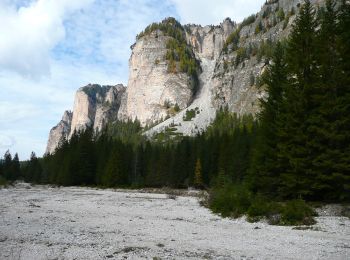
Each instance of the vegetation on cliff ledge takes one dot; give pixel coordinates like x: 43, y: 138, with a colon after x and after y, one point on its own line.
x: 179, y: 55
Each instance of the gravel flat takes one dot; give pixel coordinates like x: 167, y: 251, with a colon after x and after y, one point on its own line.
x: 40, y: 222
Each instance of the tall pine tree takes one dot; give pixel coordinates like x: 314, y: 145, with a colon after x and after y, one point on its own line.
x: 265, y: 168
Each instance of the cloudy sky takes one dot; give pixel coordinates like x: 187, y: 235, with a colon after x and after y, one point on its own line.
x: 50, y: 48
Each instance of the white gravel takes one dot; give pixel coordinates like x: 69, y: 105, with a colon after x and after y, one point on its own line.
x: 81, y: 223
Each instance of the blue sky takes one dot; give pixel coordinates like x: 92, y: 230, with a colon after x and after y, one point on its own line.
x: 50, y: 48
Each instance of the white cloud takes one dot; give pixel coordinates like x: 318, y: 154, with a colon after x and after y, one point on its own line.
x: 214, y: 12
x: 6, y: 141
x: 30, y: 32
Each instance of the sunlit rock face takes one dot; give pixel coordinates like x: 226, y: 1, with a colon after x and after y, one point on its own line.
x: 94, y: 106
x: 151, y: 88
x: 59, y: 132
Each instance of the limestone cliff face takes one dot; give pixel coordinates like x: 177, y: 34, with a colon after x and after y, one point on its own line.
x: 60, y: 131
x: 207, y: 41
x: 151, y: 88
x: 230, y: 72
x: 94, y: 106
x: 229, y: 57
x: 239, y: 67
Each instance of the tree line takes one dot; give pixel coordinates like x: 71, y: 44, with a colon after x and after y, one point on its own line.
x: 102, y: 159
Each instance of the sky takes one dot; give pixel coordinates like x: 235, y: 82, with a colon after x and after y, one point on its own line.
x: 50, y: 48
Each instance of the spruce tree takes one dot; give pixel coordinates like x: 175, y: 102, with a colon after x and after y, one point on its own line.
x: 198, y: 180
x: 33, y: 170
x: 265, y: 169
x: 15, y: 168
x: 296, y: 179
x: 7, y: 165
x: 341, y: 123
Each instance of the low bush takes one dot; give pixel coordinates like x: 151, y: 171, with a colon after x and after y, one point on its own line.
x: 297, y: 212
x: 3, y: 181
x: 236, y: 200
x: 259, y: 207
x: 230, y: 200
x: 190, y: 114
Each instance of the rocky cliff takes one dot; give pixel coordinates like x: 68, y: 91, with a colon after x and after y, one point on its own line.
x: 94, y: 106
x: 152, y: 90
x: 59, y: 132
x: 175, y: 69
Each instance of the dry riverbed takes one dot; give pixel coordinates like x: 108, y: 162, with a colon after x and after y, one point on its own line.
x: 40, y: 222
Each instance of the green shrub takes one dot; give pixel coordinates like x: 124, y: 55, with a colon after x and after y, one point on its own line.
x: 297, y: 212
x: 190, y: 114
x: 247, y: 21
x: 176, y: 108
x: 230, y: 201
x: 259, y: 207
x: 3, y: 181
x: 233, y: 39
x: 251, y: 79
x: 286, y: 22
x: 267, y: 12
x: 281, y: 14
x: 259, y: 28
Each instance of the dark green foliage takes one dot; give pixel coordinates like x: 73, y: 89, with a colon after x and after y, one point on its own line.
x: 247, y: 21
x: 259, y: 28
x: 280, y: 15
x: 260, y: 207
x: 114, y: 159
x: 251, y: 79
x: 241, y: 55
x: 190, y: 114
x: 128, y: 131
x: 179, y: 52
x: 93, y: 89
x: 297, y: 212
x: 168, y: 26
x: 234, y: 200
x: 266, y: 49
x: 3, y: 181
x: 286, y: 22
x: 267, y: 12
x: 32, y: 170
x: 230, y: 200
x: 233, y: 40
x: 303, y: 145
x: 263, y: 168
x: 176, y: 108
x: 10, y: 167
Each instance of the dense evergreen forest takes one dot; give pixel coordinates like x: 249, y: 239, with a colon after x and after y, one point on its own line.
x: 297, y: 149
